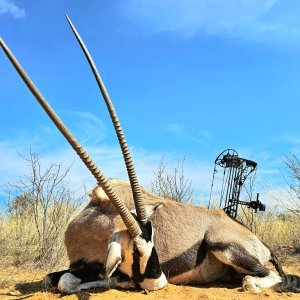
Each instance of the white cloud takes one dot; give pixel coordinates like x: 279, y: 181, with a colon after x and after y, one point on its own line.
x: 259, y: 20
x: 7, y: 7
x: 180, y: 131
x: 90, y: 129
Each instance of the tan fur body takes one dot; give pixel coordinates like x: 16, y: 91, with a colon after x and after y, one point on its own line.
x: 179, y: 231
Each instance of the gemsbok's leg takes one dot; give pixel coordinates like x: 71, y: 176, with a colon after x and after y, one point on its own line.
x: 237, y: 256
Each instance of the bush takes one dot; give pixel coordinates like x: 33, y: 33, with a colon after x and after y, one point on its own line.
x: 172, y: 185
x: 40, y: 207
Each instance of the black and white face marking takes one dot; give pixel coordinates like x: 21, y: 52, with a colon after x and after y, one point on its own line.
x: 146, y: 268
x: 136, y: 257
x: 142, y: 248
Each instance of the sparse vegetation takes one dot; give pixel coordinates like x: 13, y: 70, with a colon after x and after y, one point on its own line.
x: 39, y: 208
x: 292, y: 164
x: 172, y: 185
x: 276, y: 230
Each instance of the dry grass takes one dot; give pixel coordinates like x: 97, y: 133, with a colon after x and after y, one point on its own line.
x: 276, y: 230
x: 22, y: 248
x: 40, y: 206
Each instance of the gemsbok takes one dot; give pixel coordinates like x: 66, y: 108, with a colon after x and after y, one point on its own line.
x: 129, y: 238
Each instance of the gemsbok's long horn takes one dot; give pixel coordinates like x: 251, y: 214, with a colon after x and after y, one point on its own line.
x: 131, y: 224
x: 136, y: 190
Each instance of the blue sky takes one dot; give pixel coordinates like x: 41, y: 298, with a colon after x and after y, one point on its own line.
x: 188, y: 79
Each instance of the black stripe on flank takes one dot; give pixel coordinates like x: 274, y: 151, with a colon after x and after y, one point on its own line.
x: 184, y: 262
x: 201, y: 253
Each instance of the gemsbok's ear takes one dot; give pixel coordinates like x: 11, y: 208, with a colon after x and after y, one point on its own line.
x: 150, y: 210
x: 113, y: 259
x: 158, y: 206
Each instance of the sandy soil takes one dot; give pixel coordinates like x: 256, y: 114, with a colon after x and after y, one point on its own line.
x: 26, y: 284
